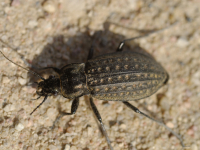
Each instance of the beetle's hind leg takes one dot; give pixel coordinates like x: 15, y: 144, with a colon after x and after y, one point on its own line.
x: 97, y: 114
x: 159, y: 122
x: 74, y: 107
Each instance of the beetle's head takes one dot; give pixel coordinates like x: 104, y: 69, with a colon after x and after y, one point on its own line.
x: 49, y: 87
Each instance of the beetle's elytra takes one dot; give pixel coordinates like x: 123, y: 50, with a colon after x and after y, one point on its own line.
x: 124, y: 76
x: 119, y: 76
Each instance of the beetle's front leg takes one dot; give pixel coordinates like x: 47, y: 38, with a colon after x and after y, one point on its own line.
x: 74, y: 107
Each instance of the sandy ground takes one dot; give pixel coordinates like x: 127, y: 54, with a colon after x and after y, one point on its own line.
x: 59, y: 32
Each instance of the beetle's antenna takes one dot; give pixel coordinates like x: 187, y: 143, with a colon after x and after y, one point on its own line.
x: 23, y: 67
x: 39, y: 105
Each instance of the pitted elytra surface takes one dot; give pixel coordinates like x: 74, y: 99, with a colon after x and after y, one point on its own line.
x: 124, y: 76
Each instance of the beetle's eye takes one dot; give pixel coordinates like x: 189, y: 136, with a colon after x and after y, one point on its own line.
x: 51, y: 76
x: 55, y: 92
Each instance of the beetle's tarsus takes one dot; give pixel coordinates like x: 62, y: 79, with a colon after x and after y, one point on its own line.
x: 74, y: 107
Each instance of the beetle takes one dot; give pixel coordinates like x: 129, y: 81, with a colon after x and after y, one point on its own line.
x: 119, y: 76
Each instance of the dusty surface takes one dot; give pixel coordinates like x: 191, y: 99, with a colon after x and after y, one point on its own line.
x: 59, y: 32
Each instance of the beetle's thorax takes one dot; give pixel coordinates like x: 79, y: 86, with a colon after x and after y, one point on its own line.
x: 73, y: 81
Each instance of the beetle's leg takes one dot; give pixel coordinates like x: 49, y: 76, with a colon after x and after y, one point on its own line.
x: 159, y: 122
x: 96, y: 112
x: 120, y: 47
x: 165, y: 82
x: 74, y: 107
x: 90, y: 52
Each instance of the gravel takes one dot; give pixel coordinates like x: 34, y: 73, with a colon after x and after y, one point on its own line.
x: 60, y: 32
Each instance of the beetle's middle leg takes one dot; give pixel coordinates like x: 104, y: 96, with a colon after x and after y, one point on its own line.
x: 74, y: 107
x: 97, y: 114
x: 121, y: 44
x: 159, y: 122
x: 120, y: 47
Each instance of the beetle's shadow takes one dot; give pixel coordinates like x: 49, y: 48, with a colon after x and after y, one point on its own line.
x: 63, y: 50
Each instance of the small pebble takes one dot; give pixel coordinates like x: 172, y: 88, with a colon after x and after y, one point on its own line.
x: 19, y: 127
x: 122, y: 126
x: 194, y: 147
x: 24, y: 75
x: 49, y: 40
x: 51, y: 112
x: 170, y: 124
x: 53, y: 147
x: 9, y: 108
x: 47, y: 26
x: 90, y: 131
x: 73, y: 148
x: 182, y: 42
x: 133, y: 143
x: 6, y: 80
x: 121, y: 145
x: 29, y: 148
x: 164, y: 103
x: 7, y: 9
x: 67, y: 147
x: 69, y: 139
x: 119, y: 109
x: 21, y: 81
x: 49, y: 7
x: 32, y: 24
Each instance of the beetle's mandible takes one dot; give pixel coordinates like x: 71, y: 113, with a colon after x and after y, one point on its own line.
x: 120, y: 76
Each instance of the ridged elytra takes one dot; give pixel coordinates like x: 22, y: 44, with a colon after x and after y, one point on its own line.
x: 120, y: 76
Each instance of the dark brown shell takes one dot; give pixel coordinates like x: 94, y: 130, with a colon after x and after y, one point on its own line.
x: 124, y: 76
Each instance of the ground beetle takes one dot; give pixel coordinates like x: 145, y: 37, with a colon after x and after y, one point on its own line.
x: 120, y: 76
